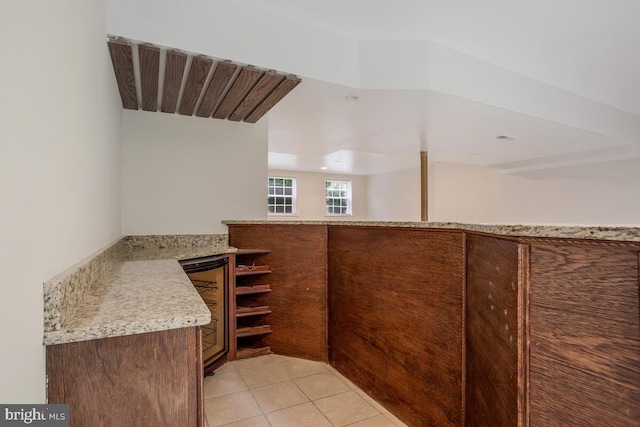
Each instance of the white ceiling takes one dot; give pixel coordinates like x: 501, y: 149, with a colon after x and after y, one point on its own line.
x: 315, y: 126
x: 563, y: 76
x: 591, y: 48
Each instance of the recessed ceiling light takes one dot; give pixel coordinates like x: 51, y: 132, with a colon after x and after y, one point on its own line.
x: 506, y: 138
x: 324, y: 168
x: 351, y: 98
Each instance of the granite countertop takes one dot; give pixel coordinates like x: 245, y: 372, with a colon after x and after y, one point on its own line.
x: 137, y: 288
x: 623, y: 234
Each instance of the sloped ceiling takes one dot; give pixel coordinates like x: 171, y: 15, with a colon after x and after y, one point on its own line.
x: 152, y: 78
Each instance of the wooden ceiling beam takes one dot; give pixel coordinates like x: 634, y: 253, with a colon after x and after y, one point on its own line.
x: 260, y: 91
x: 174, y: 70
x: 215, y: 91
x: 286, y: 86
x: 149, y: 70
x: 200, y: 67
x: 239, y: 88
x: 122, y: 60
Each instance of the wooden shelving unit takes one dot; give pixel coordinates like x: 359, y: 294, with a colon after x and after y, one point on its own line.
x: 251, y: 308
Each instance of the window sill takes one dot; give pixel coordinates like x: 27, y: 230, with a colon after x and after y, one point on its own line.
x: 282, y: 216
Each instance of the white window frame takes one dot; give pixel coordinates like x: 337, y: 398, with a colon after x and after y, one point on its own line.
x: 348, y: 197
x: 293, y: 196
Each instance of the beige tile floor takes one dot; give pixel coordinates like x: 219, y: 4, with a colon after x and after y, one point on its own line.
x: 279, y: 391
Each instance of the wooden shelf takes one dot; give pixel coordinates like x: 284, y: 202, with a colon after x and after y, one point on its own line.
x: 252, y: 311
x: 251, y: 331
x: 248, y: 270
x: 255, y: 289
x: 243, y: 353
x: 252, y: 251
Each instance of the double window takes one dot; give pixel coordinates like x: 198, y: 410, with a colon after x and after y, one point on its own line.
x: 281, y: 196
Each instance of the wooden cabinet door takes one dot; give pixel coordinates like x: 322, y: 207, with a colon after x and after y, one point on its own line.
x: 585, y: 335
x: 138, y: 380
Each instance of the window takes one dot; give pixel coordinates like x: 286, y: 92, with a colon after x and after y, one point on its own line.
x: 338, y: 197
x: 281, y: 195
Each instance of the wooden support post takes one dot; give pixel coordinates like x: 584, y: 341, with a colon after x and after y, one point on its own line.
x: 424, y: 186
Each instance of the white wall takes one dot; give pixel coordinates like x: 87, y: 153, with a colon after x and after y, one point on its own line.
x: 596, y: 194
x: 59, y: 167
x: 394, y: 196
x: 605, y: 193
x: 310, y: 200
x: 463, y: 193
x: 183, y: 175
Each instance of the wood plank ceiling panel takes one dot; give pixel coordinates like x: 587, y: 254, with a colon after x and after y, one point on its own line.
x: 122, y: 61
x: 234, y: 92
x: 215, y: 91
x: 200, y: 67
x: 174, y: 71
x: 260, y: 91
x: 286, y: 86
x: 149, y: 70
x: 241, y: 86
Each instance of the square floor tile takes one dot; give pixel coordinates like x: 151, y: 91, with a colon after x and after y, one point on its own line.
x: 263, y: 374
x: 321, y: 385
x: 260, y: 421
x: 305, y: 415
x: 227, y: 367
x: 335, y: 372
x: 297, y: 368
x: 226, y: 383
x: 229, y: 408
x: 278, y: 396
x: 377, y: 421
x: 251, y: 362
x: 345, y: 408
x: 371, y: 401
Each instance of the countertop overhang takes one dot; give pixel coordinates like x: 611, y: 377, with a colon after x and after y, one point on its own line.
x: 614, y: 233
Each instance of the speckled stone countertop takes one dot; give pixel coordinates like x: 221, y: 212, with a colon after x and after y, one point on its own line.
x: 623, y: 234
x: 134, y: 286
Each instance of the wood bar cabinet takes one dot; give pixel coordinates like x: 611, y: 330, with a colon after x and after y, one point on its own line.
x: 448, y: 327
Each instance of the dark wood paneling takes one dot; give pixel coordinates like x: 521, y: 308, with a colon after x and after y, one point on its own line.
x: 286, y: 86
x: 198, y: 73
x: 395, y: 324
x: 585, y: 336
x: 219, y: 81
x: 122, y: 61
x: 240, y: 87
x: 149, y: 69
x: 298, y: 261
x: 174, y: 70
x: 491, y: 332
x: 260, y: 91
x: 143, y: 380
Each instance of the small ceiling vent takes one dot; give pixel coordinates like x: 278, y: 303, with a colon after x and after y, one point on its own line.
x: 506, y: 138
